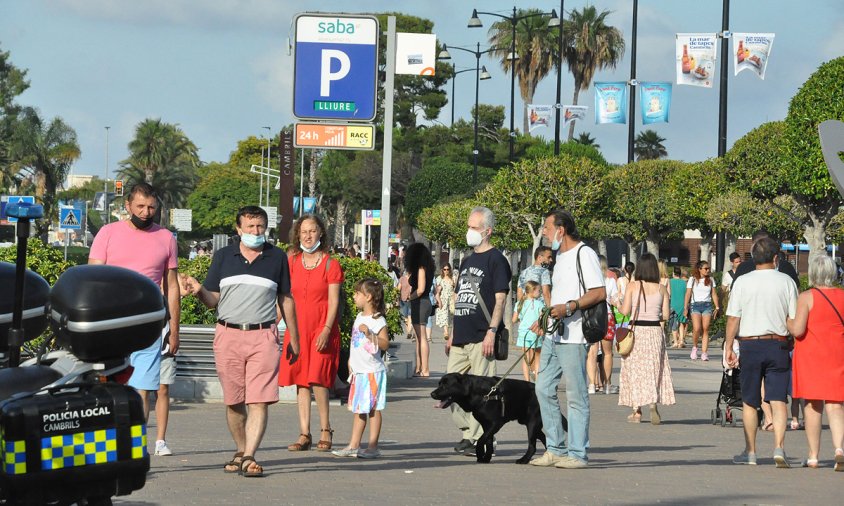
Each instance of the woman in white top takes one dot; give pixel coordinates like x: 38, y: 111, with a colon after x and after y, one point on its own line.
x: 702, y: 301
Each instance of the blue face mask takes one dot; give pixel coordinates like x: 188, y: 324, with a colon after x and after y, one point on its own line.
x: 253, y: 241
x: 555, y: 244
x: 311, y: 249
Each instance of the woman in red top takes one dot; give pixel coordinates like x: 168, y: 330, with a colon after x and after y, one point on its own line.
x: 315, y: 285
x: 818, y: 360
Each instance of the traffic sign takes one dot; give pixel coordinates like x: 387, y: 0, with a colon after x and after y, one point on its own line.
x: 70, y: 218
x: 372, y: 217
x: 28, y: 199
x: 335, y: 67
x: 181, y: 219
x: 336, y: 136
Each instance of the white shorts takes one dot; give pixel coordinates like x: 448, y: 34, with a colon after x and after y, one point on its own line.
x: 168, y: 370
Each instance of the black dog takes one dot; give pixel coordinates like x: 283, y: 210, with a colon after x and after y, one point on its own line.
x: 512, y: 400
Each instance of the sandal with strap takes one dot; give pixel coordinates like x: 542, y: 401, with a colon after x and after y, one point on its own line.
x: 233, y: 463
x: 324, y: 445
x: 301, y: 446
x: 250, y: 461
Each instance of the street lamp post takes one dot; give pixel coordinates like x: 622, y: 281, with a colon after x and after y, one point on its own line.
x: 269, y: 163
x: 454, y: 73
x: 107, y: 204
x: 481, y: 74
x: 475, y: 22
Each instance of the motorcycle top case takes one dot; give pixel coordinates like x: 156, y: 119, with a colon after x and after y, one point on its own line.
x: 105, y: 312
x: 71, y: 436
x: 36, y: 291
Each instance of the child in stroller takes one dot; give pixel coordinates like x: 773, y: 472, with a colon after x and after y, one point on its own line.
x: 729, y: 394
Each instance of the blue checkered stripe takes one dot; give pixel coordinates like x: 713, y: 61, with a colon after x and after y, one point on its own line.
x: 80, y: 449
x: 13, y: 456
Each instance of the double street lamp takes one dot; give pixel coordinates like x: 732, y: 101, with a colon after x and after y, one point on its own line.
x: 481, y: 74
x: 454, y: 73
x: 475, y: 22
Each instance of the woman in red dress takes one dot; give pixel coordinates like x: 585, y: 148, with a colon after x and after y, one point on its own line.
x: 818, y: 360
x: 315, y: 285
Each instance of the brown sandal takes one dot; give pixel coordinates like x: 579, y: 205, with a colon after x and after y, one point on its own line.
x: 324, y: 445
x: 250, y: 461
x: 233, y: 463
x: 301, y: 447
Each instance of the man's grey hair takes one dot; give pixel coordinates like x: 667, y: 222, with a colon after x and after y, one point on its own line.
x: 822, y: 271
x: 764, y: 250
x: 487, y: 215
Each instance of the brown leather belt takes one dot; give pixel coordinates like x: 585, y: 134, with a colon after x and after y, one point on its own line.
x: 764, y: 337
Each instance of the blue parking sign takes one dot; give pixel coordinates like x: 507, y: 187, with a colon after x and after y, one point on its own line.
x: 335, y: 67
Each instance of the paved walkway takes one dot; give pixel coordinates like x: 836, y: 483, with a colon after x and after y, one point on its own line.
x: 686, y: 460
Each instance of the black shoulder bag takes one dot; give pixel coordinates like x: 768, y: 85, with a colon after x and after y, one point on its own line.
x: 502, y: 335
x: 594, y: 317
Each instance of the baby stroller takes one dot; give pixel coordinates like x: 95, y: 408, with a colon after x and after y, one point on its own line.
x: 729, y: 394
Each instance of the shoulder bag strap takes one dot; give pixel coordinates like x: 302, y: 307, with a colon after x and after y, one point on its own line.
x: 831, y: 304
x: 580, y: 271
x: 480, y: 300
x: 638, y: 305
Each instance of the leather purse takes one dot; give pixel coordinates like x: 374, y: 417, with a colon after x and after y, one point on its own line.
x: 626, y: 336
x: 594, y: 322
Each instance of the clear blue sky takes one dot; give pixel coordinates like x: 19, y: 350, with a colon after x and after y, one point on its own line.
x: 220, y: 68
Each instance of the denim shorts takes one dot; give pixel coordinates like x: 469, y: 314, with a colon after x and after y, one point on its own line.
x: 768, y: 360
x: 703, y: 308
x: 404, y: 308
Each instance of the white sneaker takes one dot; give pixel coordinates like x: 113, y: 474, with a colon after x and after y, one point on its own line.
x: 161, y: 449
x: 548, y: 459
x: 591, y: 389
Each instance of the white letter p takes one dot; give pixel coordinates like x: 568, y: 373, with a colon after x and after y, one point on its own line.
x: 326, y: 76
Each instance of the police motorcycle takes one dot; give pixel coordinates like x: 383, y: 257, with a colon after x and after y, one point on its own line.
x: 70, y: 432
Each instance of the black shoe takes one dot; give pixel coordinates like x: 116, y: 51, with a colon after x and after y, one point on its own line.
x: 464, y: 445
x: 470, y: 452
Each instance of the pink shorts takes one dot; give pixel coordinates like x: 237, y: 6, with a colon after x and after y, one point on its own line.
x: 247, y: 364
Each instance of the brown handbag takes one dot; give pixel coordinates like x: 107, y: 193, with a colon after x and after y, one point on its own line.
x: 625, y: 336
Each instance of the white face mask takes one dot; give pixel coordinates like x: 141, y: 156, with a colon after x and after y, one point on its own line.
x: 473, y: 238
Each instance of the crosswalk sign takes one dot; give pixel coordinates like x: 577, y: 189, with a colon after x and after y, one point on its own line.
x: 70, y: 218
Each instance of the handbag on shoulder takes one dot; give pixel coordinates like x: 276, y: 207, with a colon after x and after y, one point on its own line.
x: 625, y: 336
x: 595, y: 317
x: 502, y: 335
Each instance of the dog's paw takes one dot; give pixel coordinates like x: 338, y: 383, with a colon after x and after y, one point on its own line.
x: 484, y: 459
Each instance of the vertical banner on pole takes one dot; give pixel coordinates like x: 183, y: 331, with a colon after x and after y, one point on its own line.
x: 287, y: 164
x: 656, y: 102
x: 751, y: 52
x: 696, y: 54
x: 610, y: 102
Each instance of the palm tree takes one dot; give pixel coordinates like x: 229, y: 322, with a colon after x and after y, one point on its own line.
x: 648, y: 146
x: 589, y: 44
x: 163, y: 156
x: 587, y: 140
x: 45, y: 153
x: 536, y: 47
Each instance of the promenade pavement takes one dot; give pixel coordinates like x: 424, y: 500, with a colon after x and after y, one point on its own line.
x: 686, y: 460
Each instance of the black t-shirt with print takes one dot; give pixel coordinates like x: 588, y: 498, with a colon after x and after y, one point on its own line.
x: 491, y: 272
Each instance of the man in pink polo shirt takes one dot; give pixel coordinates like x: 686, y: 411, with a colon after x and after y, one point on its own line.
x: 145, y: 247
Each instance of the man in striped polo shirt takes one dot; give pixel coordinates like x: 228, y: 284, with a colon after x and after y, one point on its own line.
x: 245, y: 282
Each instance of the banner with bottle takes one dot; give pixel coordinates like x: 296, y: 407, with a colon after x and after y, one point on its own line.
x: 751, y: 52
x: 696, y: 55
x: 574, y: 113
x: 611, y: 102
x: 539, y: 116
x: 655, y: 98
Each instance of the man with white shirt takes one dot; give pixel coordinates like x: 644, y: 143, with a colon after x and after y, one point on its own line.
x: 564, y: 352
x: 760, y: 303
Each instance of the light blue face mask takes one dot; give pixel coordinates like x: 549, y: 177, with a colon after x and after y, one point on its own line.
x: 555, y: 244
x: 311, y: 249
x: 253, y: 241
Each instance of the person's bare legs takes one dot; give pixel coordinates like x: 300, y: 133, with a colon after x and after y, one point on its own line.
x: 750, y: 420
x: 358, y: 426
x: 697, y: 328
x: 768, y: 419
x: 236, y: 421
x: 321, y: 398
x: 145, y: 398
x: 592, y: 365
x: 422, y: 349
x: 525, y: 361
x: 812, y: 421
x: 795, y: 413
x: 374, y: 429
x: 162, y: 411
x: 607, y: 362
x: 684, y: 327
x: 705, y: 321
x: 835, y: 417
x: 537, y: 354
x: 780, y: 412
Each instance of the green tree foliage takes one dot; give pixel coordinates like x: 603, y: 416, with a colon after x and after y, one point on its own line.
x: 738, y: 213
x: 521, y: 194
x: 446, y: 222
x: 536, y: 48
x: 649, y: 146
x: 45, y: 260
x: 219, y: 194
x: 163, y: 156
x: 572, y: 148
x: 44, y: 152
x: 589, y: 44
x: 692, y: 187
x: 193, y: 311
x: 438, y: 179
x: 585, y: 138
x: 13, y: 82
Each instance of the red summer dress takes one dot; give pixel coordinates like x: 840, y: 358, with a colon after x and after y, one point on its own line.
x: 309, y: 288
x: 818, y: 361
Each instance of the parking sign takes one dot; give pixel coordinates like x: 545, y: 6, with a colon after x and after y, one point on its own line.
x: 335, y: 67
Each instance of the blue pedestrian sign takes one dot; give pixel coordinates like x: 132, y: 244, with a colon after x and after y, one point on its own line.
x: 27, y: 199
x: 70, y: 218
x: 335, y: 67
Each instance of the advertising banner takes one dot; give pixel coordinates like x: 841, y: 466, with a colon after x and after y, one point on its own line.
x: 416, y: 54
x: 751, y: 52
x: 574, y: 113
x: 656, y: 102
x: 539, y: 116
x: 611, y: 102
x: 696, y: 54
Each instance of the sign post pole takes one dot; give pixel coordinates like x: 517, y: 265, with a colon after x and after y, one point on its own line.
x: 386, y: 168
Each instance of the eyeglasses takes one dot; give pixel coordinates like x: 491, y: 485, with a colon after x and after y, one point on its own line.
x: 446, y: 269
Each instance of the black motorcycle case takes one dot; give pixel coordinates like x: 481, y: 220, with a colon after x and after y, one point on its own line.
x: 36, y: 291
x: 104, y: 312
x: 73, y: 441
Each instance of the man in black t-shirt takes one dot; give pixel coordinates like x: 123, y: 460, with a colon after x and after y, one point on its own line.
x: 470, y: 348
